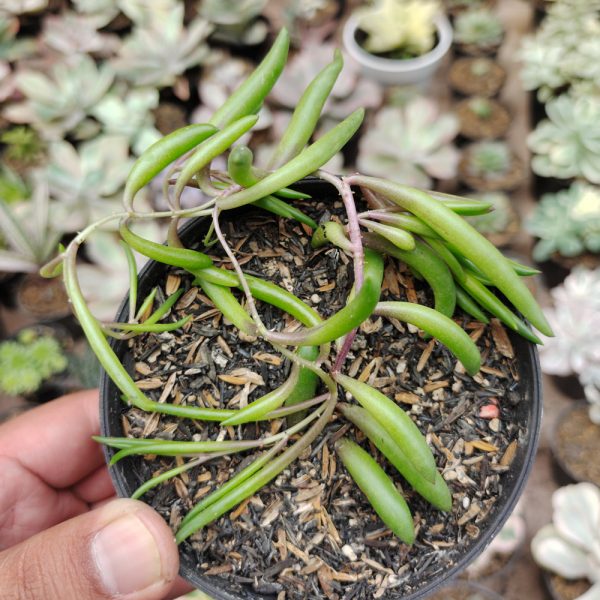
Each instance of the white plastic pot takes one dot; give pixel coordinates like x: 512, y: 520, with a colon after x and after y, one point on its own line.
x: 389, y: 71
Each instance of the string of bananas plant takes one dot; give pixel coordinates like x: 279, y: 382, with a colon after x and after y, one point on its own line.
x: 424, y: 229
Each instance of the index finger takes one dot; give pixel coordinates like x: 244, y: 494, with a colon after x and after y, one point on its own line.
x: 54, y: 441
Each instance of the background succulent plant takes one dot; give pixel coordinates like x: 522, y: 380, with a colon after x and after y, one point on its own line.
x: 567, y: 222
x: 235, y: 21
x: 84, y: 182
x: 489, y: 159
x: 575, y: 320
x: 156, y: 53
x: 129, y: 115
x: 57, y: 103
x: 567, y: 144
x: 569, y: 546
x: 412, y: 143
x: 404, y: 28
x: 28, y: 236
x: 27, y: 361
x: 564, y: 50
x: 479, y: 27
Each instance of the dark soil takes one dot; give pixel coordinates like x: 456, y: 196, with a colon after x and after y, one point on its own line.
x: 476, y: 77
x: 476, y: 127
x: 310, y: 533
x: 576, y: 440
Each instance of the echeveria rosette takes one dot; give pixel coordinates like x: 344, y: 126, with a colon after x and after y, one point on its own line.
x: 570, y: 546
x: 567, y: 144
x: 567, y: 222
x: 411, y: 144
x: 575, y: 320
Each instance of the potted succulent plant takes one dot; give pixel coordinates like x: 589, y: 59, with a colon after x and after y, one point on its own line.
x: 478, y: 32
x: 412, y: 143
x: 567, y: 226
x: 575, y: 351
x: 567, y: 548
x: 490, y: 166
x: 565, y: 145
x: 210, y: 369
x: 480, y: 76
x: 482, y: 118
x: 398, y: 41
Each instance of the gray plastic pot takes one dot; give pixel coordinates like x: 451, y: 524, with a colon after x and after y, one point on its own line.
x: 126, y: 480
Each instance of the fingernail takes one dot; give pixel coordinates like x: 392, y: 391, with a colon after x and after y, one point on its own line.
x: 127, y: 556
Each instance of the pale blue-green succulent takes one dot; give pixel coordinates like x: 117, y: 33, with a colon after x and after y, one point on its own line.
x: 56, y: 103
x: 567, y: 144
x: 155, y: 54
x: 480, y: 27
x: 567, y: 222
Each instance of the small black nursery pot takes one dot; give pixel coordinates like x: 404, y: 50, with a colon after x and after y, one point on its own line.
x: 481, y: 430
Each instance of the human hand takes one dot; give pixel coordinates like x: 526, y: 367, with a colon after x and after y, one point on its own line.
x: 62, y: 533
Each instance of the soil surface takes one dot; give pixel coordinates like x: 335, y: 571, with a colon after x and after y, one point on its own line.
x: 476, y: 127
x: 578, y: 439
x: 311, y: 533
x: 476, y: 77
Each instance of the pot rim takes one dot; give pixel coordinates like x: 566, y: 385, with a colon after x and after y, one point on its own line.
x: 405, y: 65
x: 493, y: 524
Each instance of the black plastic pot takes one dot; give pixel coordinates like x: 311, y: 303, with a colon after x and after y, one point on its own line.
x: 529, y: 409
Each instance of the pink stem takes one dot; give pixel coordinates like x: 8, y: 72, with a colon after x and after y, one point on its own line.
x: 347, y: 196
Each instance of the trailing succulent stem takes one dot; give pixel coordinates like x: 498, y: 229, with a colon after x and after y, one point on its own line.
x: 424, y: 230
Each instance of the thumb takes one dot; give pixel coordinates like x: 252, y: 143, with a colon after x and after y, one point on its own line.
x: 122, y: 550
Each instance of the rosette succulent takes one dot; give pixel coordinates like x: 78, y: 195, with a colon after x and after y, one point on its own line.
x: 480, y: 27
x: 412, y: 144
x: 57, y: 103
x: 564, y: 51
x: 570, y: 546
x: 567, y: 222
x: 155, y: 54
x: 575, y: 319
x: 567, y: 144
